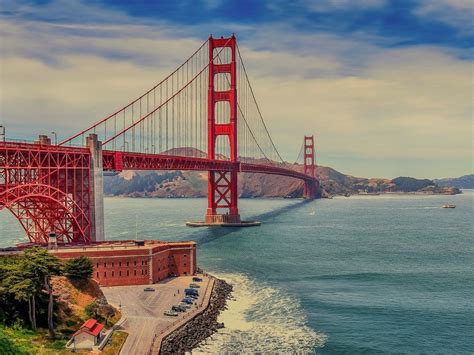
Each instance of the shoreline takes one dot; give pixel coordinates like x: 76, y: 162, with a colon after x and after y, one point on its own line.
x: 396, y: 193
x: 192, y: 333
x: 400, y: 193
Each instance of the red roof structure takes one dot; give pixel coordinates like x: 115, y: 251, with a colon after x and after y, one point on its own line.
x: 91, y: 327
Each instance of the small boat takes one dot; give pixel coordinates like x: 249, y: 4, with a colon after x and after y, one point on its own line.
x: 449, y: 206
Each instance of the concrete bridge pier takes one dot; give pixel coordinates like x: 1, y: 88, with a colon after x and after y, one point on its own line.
x: 97, y: 188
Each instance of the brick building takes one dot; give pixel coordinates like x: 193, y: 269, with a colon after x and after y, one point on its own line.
x: 118, y: 263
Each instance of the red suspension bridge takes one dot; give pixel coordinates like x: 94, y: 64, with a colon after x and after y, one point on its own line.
x: 203, y: 116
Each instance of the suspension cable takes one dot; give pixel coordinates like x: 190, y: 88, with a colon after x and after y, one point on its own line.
x: 256, y: 103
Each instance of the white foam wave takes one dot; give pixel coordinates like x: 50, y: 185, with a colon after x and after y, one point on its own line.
x: 261, y: 319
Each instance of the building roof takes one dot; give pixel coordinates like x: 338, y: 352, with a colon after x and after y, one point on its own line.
x: 91, y: 327
x: 117, y: 245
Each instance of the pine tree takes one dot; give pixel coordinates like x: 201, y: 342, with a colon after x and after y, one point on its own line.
x: 79, y: 268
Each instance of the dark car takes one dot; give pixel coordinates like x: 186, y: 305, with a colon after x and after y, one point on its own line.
x: 197, y: 279
x: 187, y: 300
x: 178, y: 308
x: 191, y: 292
x: 149, y: 289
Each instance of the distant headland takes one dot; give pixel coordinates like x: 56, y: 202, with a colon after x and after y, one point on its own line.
x: 176, y: 184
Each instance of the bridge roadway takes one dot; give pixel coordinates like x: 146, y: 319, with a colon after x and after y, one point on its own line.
x: 118, y: 160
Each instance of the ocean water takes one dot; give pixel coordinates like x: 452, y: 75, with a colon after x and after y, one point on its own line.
x: 367, y: 274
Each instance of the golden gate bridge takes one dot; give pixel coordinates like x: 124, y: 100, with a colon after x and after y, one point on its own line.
x: 203, y: 116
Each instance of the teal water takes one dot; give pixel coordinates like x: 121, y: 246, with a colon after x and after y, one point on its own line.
x: 375, y: 274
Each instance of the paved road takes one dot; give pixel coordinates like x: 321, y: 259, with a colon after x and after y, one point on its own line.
x: 143, y: 311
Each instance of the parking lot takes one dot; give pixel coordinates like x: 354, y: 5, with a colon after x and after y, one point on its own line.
x: 143, y: 310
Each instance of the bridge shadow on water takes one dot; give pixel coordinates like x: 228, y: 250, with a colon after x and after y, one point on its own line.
x: 209, y: 234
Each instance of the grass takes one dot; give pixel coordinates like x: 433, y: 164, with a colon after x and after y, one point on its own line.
x: 20, y: 341
x: 118, y: 339
x: 17, y: 341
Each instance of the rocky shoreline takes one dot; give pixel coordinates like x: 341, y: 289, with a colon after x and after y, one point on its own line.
x: 187, y: 337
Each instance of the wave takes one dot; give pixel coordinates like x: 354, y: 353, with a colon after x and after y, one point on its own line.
x: 261, y: 319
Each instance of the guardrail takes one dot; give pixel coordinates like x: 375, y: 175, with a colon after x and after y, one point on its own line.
x: 116, y: 326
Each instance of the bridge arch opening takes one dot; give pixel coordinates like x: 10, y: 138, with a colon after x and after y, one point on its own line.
x: 222, y: 55
x: 40, y: 215
x: 222, y: 82
x: 11, y: 229
x: 222, y: 148
x: 222, y: 112
x: 42, y: 209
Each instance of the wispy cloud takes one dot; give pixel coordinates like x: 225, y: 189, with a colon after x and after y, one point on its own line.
x: 346, y: 5
x: 365, y: 97
x: 456, y: 13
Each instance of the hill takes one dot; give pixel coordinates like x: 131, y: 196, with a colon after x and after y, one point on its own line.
x: 172, y: 184
x: 463, y: 182
x: 75, y: 302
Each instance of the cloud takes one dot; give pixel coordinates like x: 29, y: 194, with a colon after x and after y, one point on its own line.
x: 419, y: 107
x: 365, y: 102
x: 345, y: 5
x: 456, y: 13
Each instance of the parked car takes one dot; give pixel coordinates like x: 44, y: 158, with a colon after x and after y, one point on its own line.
x: 184, y: 305
x: 194, y: 286
x: 197, y: 279
x: 178, y: 308
x: 191, y: 292
x: 149, y: 289
x: 187, y: 300
x: 171, y: 313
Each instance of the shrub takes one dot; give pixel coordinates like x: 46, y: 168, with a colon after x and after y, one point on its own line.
x: 80, y: 268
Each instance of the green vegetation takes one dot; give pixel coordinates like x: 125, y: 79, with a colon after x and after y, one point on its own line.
x: 16, y: 340
x: 100, y: 311
x: 408, y: 184
x: 26, y: 281
x: 463, y: 182
x: 33, y: 320
x: 118, y: 339
x: 79, y: 268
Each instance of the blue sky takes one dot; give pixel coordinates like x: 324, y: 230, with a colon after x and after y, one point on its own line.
x: 385, y: 85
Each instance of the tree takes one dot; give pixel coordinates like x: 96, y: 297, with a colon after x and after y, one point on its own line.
x: 100, y: 311
x: 43, y: 265
x: 19, y: 283
x: 92, y: 310
x: 79, y: 268
x: 107, y: 312
x: 27, y: 278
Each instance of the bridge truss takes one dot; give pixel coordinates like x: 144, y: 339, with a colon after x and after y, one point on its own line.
x: 203, y: 116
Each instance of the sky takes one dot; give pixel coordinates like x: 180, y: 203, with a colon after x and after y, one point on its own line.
x: 385, y: 86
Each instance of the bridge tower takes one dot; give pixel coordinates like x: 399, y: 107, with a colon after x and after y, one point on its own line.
x: 97, y: 188
x: 222, y: 185
x: 310, y: 188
